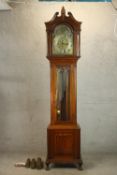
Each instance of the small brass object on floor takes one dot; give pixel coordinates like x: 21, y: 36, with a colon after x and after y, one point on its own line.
x: 39, y: 163
x: 33, y: 164
x: 28, y: 162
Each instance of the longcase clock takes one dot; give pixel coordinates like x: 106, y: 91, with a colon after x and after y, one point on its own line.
x: 63, y: 51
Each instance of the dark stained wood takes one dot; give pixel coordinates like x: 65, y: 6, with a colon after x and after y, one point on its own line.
x: 63, y: 137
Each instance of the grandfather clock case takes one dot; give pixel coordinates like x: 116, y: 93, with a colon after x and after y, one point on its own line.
x: 63, y: 51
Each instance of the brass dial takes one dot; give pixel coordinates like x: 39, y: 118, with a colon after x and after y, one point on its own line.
x: 62, y: 41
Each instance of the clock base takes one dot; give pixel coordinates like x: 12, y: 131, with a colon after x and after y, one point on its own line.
x: 64, y: 146
x: 78, y: 163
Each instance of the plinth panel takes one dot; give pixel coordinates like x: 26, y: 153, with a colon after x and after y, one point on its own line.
x: 63, y: 145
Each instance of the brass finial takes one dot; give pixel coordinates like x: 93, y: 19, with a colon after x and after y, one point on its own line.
x: 63, y: 11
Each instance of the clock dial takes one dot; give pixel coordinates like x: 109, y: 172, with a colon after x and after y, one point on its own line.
x: 62, y: 41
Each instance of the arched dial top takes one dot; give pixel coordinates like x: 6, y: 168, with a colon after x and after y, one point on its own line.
x: 63, y: 36
x: 62, y: 40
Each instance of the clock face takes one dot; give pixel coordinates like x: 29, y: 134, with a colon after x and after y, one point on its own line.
x: 62, y: 41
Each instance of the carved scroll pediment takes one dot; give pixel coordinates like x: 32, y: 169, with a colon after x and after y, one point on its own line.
x: 63, y: 18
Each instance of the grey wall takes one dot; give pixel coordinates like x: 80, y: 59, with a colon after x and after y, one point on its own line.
x: 24, y: 76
